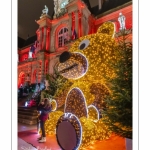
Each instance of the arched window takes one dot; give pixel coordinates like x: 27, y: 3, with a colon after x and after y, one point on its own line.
x: 62, y: 36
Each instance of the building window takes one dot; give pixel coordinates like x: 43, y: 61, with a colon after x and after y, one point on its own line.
x: 62, y: 37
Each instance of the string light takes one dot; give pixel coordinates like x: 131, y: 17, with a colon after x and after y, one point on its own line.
x: 88, y: 69
x: 75, y: 67
x: 50, y: 124
x: 93, y: 113
x: 95, y: 59
x: 88, y: 131
x: 54, y: 105
x: 76, y: 103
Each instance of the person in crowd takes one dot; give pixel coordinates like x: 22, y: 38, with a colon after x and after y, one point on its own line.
x: 45, y: 108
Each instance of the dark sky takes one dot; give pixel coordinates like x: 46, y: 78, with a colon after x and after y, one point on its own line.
x: 31, y: 10
x: 28, y: 12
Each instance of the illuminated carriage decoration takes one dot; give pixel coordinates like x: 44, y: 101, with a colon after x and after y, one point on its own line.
x: 87, y: 64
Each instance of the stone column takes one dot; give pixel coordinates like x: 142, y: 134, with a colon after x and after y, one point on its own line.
x: 77, y: 22
x: 70, y: 25
x: 86, y: 23
x: 40, y: 42
x: 50, y: 32
x: 42, y: 67
x: 83, y: 26
x: 52, y: 39
x: 44, y: 39
x: 48, y: 39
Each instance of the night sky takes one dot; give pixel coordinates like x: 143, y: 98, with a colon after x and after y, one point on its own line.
x: 31, y: 10
x: 28, y: 12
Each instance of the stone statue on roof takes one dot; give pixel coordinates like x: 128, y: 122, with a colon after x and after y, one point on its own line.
x: 55, y: 6
x: 45, y: 10
x: 121, y: 20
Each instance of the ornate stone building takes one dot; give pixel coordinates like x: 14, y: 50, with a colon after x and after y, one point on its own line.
x: 38, y: 55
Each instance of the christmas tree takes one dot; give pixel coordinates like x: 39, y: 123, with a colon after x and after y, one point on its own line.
x: 118, y: 113
x: 57, y: 85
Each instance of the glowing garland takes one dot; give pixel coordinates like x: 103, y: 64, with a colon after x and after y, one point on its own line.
x: 98, y: 54
x: 87, y: 64
x: 110, y: 28
x: 73, y: 67
x: 50, y: 124
x: 54, y: 105
x: 92, y: 106
x: 85, y: 104
x: 89, y: 131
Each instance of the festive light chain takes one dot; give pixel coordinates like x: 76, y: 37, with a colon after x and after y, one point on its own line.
x: 80, y: 68
x: 93, y: 113
x: 100, y: 91
x: 92, y: 131
x: 60, y: 99
x: 61, y: 94
x: 103, y: 131
x: 88, y: 131
x: 98, y: 54
x: 93, y: 67
x: 54, y: 105
x: 50, y: 124
x: 76, y: 104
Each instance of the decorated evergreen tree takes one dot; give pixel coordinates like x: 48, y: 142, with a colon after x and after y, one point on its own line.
x: 57, y: 84
x: 118, y: 114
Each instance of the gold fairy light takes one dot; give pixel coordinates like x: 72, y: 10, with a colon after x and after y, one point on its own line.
x: 103, y: 131
x: 93, y: 113
x: 88, y: 131
x: 54, y: 105
x: 87, y: 69
x: 50, y: 124
x: 76, y: 104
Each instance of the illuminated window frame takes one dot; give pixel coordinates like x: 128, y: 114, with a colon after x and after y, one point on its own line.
x: 61, y: 36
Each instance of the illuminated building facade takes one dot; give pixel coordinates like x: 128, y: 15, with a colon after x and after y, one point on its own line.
x: 72, y: 19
